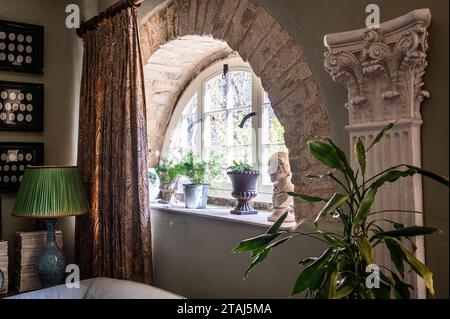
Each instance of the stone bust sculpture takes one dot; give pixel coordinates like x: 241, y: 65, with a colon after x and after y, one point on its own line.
x: 280, y: 175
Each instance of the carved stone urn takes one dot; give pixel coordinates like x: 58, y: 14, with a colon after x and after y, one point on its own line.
x: 244, y: 190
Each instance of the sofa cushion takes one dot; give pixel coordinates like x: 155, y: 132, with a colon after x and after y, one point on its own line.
x: 100, y: 288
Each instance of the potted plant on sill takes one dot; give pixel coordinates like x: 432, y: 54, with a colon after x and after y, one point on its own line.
x: 168, y: 174
x: 199, y: 174
x: 340, y: 271
x: 244, y: 179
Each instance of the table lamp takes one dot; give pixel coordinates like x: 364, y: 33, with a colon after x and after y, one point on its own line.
x: 49, y: 192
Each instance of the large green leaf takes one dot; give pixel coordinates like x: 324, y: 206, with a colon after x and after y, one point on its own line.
x: 393, y: 175
x: 365, y: 248
x: 364, y: 208
x: 254, y: 243
x: 307, y: 198
x: 436, y: 177
x: 328, y: 290
x: 401, y: 288
x: 347, y: 286
x: 410, y: 231
x: 380, y: 135
x: 419, y: 268
x: 360, y: 155
x: 396, y: 255
x: 334, y: 203
x: 276, y: 226
x: 325, y: 153
x: 258, y: 259
x: 312, y: 276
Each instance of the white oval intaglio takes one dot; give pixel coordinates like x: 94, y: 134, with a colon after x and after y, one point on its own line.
x: 11, y: 47
x: 28, y: 59
x: 29, y: 38
x: 6, y: 168
x: 29, y: 49
x: 3, y: 157
x: 12, y: 95
x: 2, y: 116
x: 11, y: 57
x: 20, y: 38
x: 28, y: 118
x: 14, y: 179
x: 2, y: 35
x: 20, y: 48
x: 2, y: 57
x: 23, y: 107
x: 6, y: 179
x: 4, y: 95
x: 20, y: 58
x: 21, y: 168
x: 29, y: 97
x: 20, y: 157
x: 20, y: 117
x: 14, y: 168
x: 8, y: 106
x: 15, y: 107
x: 21, y: 96
x: 11, y: 117
x: 28, y: 157
x: 30, y: 108
x: 2, y: 46
x: 12, y: 36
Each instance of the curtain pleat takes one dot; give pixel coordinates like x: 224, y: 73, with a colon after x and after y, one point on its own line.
x: 114, y: 239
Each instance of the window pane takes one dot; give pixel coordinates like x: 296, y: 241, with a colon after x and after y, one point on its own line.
x: 215, y: 94
x: 189, y: 131
x: 220, y: 154
x: 241, y: 136
x: 240, y: 89
x: 216, y: 129
x: 273, y: 131
x: 268, y: 151
x: 243, y: 154
x: 191, y: 107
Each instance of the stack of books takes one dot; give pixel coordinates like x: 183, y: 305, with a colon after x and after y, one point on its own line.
x: 4, y: 265
x: 28, y: 248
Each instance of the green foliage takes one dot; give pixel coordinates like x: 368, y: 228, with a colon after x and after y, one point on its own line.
x: 198, y: 171
x: 240, y: 167
x: 340, y: 272
x: 167, y: 171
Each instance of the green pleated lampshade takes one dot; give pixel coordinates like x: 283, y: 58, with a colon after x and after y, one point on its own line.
x: 49, y: 192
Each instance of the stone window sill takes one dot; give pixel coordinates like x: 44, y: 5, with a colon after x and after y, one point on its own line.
x: 221, y: 213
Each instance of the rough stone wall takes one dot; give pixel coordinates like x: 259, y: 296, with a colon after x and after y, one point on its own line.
x: 274, y: 56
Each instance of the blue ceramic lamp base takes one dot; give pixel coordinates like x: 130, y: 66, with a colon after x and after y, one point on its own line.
x: 51, y: 265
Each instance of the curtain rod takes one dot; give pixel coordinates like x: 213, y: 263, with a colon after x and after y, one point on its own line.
x: 115, y: 8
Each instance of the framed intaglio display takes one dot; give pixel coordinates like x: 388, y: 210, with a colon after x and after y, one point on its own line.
x: 21, y: 106
x: 14, y: 158
x: 21, y: 47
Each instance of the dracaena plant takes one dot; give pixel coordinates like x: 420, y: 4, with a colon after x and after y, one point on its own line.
x: 340, y: 271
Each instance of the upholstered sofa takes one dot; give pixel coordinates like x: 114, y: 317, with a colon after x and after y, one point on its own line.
x: 100, y: 288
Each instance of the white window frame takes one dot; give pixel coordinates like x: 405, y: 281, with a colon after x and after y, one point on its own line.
x: 198, y: 86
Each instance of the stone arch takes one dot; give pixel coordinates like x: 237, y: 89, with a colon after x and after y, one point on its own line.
x: 274, y: 57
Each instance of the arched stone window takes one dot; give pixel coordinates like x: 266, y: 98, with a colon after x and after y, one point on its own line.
x: 207, y: 120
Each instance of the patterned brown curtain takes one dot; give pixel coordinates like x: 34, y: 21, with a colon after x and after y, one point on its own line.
x: 114, y: 239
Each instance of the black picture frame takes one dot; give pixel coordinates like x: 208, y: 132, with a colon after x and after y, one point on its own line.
x: 21, y: 106
x: 14, y: 158
x: 21, y: 47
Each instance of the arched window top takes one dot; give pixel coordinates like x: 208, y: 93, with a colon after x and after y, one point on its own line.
x: 207, y: 122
